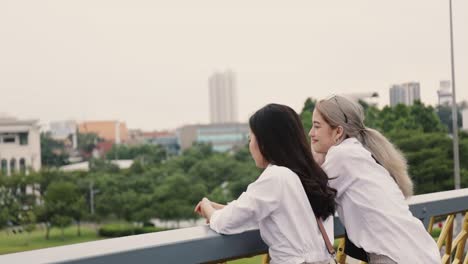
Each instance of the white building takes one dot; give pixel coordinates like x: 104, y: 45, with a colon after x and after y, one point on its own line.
x: 444, y: 93
x: 20, y: 146
x: 223, y: 97
x: 405, y: 93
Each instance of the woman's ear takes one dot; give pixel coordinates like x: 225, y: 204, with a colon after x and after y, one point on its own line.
x: 339, y: 134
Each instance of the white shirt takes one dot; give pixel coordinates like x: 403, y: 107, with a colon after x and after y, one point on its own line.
x: 373, y: 209
x: 277, y: 204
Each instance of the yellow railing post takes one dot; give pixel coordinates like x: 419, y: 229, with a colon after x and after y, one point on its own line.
x: 460, y: 242
x: 431, y: 224
x: 446, y: 237
x: 340, y: 255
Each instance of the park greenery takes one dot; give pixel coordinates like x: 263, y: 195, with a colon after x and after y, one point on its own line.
x: 167, y: 187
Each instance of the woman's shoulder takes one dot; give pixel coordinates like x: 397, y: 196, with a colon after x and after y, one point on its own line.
x: 278, y: 172
x: 349, y: 148
x: 272, y: 178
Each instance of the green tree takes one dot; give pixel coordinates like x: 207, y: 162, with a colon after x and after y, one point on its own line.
x: 444, y: 112
x: 78, y: 212
x: 418, y: 117
x: 243, y: 154
x: 396, y: 118
x: 371, y: 114
x: 306, y: 114
x: 109, y: 186
x: 28, y: 220
x: 13, y: 198
x: 44, y: 177
x: 10, y: 206
x: 175, y: 198
x: 426, y: 117
x: 102, y: 165
x: 429, y: 159
x: 4, y: 216
x: 44, y: 214
x: 61, y: 199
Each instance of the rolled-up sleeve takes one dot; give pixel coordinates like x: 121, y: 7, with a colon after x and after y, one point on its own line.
x: 261, y: 199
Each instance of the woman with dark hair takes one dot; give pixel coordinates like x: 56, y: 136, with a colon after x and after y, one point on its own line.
x: 288, y: 200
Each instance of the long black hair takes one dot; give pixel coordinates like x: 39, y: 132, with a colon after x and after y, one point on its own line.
x: 282, y: 141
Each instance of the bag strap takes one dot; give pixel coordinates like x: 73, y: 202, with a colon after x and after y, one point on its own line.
x: 329, y: 245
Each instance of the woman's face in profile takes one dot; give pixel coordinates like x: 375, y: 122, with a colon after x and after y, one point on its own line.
x: 322, y: 134
x: 255, y: 152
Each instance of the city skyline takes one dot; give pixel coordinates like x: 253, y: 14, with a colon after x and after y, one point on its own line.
x: 405, y: 93
x: 146, y: 63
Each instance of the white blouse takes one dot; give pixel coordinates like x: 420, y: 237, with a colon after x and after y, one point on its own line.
x: 277, y: 204
x: 373, y: 209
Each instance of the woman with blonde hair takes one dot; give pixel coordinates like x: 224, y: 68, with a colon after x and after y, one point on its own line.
x: 372, y: 183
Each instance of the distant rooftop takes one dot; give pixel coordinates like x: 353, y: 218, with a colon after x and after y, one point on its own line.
x: 155, y: 134
x: 6, y: 119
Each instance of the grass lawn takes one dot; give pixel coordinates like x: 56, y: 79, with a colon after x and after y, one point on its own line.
x: 10, y: 243
x: 252, y: 260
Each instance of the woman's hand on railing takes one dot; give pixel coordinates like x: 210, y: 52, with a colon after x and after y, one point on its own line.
x: 206, y: 209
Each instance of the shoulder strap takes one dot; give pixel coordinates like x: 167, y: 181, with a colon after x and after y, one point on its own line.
x: 330, y: 248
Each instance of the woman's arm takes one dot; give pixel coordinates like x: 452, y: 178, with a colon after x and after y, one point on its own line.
x: 217, y: 206
x: 261, y: 198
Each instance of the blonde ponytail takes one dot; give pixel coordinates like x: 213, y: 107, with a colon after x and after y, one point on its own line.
x: 389, y: 157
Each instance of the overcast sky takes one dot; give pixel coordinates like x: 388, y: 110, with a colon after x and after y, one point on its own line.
x: 148, y: 62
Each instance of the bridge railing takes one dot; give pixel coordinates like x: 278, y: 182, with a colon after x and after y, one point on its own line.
x: 202, y: 245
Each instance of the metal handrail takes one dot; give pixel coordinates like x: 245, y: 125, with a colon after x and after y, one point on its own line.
x: 200, y: 244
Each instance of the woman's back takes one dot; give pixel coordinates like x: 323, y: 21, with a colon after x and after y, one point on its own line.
x: 373, y: 208
x: 277, y: 203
